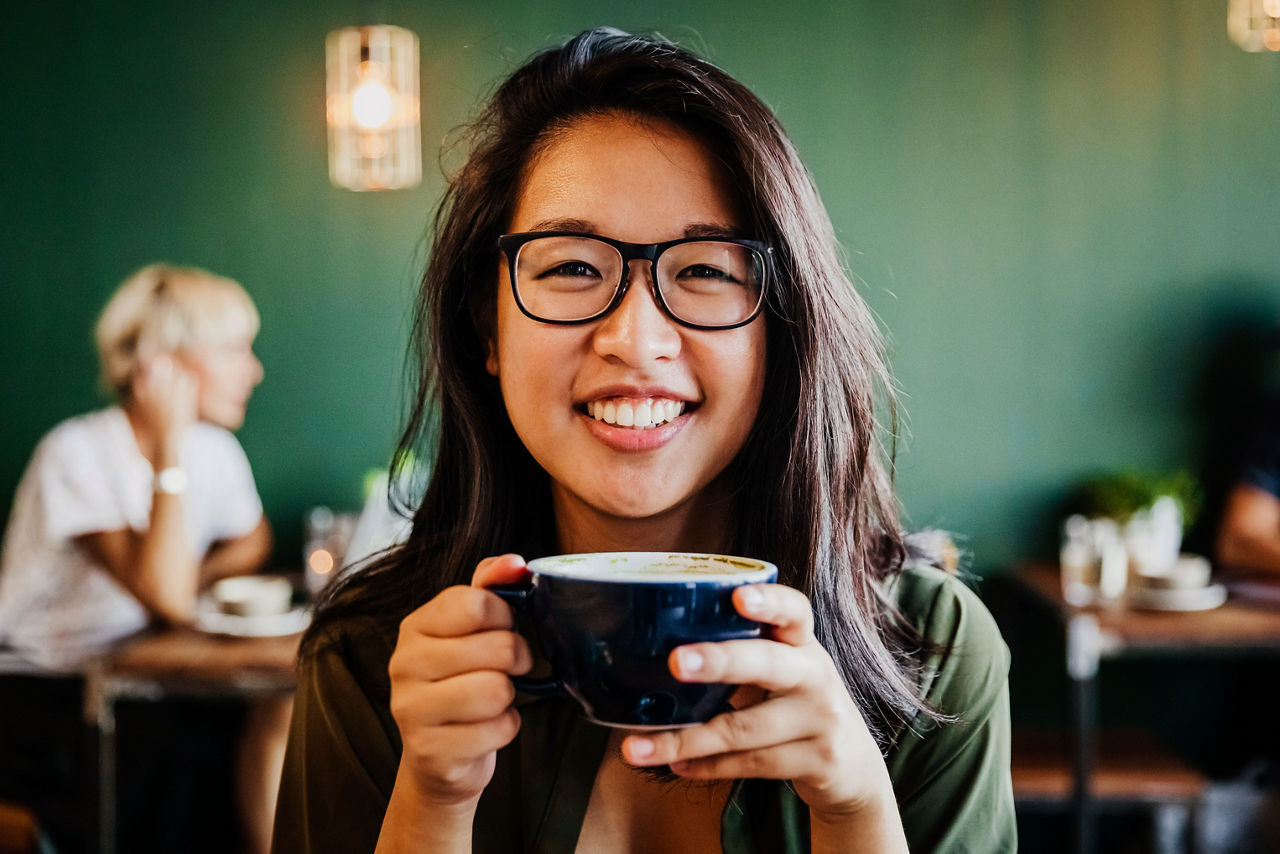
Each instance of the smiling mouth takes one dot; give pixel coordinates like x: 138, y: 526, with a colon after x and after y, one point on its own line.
x: 636, y: 413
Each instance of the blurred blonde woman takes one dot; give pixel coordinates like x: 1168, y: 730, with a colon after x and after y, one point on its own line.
x: 126, y: 514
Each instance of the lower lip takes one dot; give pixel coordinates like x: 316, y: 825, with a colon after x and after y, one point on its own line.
x: 630, y: 439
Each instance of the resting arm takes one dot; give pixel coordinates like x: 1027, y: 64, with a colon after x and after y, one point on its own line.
x: 1249, y: 537
x: 239, y: 555
x: 158, y: 565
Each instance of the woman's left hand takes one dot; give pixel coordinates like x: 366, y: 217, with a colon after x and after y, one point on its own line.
x: 793, y: 718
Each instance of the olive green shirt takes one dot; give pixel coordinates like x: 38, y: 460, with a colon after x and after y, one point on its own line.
x: 951, y: 780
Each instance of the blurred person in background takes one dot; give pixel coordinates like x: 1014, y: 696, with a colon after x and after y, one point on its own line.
x: 1249, y: 533
x: 124, y: 515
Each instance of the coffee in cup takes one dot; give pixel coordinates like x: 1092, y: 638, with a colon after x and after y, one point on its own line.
x: 607, y: 622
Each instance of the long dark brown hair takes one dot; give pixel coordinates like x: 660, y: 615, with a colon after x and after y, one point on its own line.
x: 812, y: 484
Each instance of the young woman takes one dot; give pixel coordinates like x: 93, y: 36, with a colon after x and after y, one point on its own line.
x: 636, y: 334
x: 125, y: 514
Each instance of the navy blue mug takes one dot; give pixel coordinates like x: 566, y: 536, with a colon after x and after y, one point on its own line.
x: 607, y: 622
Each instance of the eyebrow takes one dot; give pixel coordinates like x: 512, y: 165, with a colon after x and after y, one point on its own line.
x: 696, y: 229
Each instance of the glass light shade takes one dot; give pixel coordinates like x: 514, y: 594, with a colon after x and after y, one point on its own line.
x: 375, y: 137
x: 1255, y: 24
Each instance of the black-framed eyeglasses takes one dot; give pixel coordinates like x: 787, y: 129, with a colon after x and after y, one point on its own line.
x: 700, y: 282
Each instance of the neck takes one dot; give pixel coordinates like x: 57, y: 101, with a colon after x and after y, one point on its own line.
x: 699, y: 524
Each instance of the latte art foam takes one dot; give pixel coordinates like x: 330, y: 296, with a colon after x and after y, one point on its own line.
x: 653, y: 567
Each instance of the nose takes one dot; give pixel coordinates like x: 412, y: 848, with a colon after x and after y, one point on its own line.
x: 637, y: 332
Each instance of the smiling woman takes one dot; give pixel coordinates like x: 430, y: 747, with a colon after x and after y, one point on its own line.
x: 637, y: 180
x: 636, y: 335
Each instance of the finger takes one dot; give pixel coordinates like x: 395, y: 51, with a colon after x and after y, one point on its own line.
x: 139, y: 390
x: 160, y: 366
x: 456, y: 611
x: 187, y: 381
x: 158, y: 375
x: 465, y: 698
x: 503, y: 569
x: 783, y: 608
x: 780, y: 721
x: 773, y: 666
x: 790, y: 761
x: 451, y: 742
x: 182, y: 396
x: 497, y: 650
x: 144, y: 376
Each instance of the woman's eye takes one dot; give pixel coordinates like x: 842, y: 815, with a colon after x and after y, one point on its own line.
x: 702, y: 271
x: 571, y: 269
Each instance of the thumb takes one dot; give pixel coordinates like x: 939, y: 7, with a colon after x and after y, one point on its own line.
x: 503, y: 569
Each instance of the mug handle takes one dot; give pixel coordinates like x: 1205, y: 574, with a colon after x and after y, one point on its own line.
x: 518, y: 597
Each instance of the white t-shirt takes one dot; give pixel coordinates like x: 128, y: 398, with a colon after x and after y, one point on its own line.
x: 57, y: 604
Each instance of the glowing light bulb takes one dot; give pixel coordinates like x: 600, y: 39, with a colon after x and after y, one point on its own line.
x: 321, y: 562
x: 371, y: 105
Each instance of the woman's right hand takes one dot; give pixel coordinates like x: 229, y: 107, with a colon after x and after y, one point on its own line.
x: 450, y: 692
x: 164, y: 397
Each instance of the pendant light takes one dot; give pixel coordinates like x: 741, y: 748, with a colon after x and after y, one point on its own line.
x: 375, y: 138
x: 1255, y: 24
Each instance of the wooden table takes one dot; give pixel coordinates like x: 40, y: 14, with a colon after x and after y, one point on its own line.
x: 1237, y: 628
x: 177, y: 662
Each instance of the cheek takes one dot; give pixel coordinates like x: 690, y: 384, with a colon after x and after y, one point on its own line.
x: 742, y: 365
x: 529, y: 365
x: 230, y: 379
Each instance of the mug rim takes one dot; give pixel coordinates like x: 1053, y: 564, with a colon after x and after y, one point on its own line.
x: 753, y: 570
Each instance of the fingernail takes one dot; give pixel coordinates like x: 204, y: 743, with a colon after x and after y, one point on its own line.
x: 640, y: 748
x: 750, y: 599
x: 690, y: 660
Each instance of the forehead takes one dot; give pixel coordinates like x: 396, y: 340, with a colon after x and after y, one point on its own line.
x: 635, y: 179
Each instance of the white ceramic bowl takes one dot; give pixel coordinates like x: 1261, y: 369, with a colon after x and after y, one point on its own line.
x: 1191, y: 572
x: 253, y: 595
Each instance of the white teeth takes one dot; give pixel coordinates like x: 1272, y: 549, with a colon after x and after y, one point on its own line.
x: 640, y: 414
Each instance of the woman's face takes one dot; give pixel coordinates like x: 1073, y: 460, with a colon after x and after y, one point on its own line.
x: 227, y: 372
x: 640, y: 182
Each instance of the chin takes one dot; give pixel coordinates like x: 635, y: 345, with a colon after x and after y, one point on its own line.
x: 631, y: 506
x: 227, y: 420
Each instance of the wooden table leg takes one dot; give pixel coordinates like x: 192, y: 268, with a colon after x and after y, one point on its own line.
x: 107, y: 784
x: 100, y: 715
x: 1083, y: 657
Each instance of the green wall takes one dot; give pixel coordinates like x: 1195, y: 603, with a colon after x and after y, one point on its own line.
x: 1060, y: 212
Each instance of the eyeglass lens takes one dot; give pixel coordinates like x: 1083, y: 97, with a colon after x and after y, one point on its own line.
x: 705, y: 282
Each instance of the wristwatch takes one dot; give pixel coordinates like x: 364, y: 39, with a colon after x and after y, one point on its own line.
x: 171, y: 480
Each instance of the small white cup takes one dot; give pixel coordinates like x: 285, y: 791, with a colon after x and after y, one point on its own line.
x: 253, y: 595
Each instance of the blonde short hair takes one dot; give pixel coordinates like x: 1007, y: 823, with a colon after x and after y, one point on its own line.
x: 163, y: 309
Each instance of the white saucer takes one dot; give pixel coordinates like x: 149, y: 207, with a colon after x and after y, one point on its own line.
x: 1178, y: 599
x: 210, y: 619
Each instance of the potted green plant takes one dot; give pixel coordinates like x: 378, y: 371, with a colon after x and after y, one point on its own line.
x: 1121, y: 494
